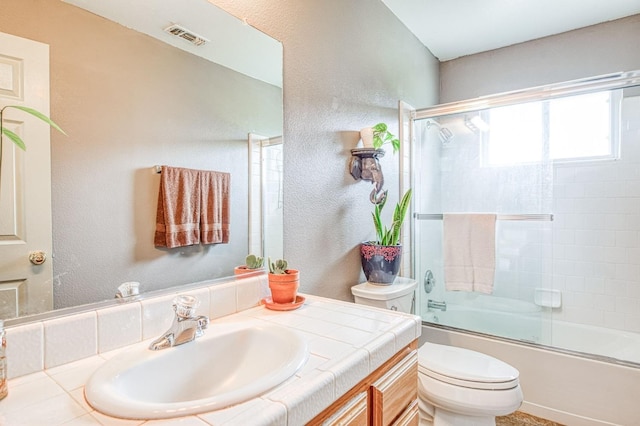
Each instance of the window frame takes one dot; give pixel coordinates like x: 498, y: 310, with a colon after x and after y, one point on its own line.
x: 615, y: 119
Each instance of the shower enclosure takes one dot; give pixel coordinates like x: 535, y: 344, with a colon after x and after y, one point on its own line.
x: 560, y: 167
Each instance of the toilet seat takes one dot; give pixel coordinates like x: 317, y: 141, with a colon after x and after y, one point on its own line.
x: 466, y: 368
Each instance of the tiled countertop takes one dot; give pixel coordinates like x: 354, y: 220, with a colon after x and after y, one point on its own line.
x: 346, y: 343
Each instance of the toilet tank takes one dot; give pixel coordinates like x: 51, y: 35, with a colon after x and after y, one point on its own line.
x: 398, y: 296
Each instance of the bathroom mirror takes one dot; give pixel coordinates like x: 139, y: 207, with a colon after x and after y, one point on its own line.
x: 132, y: 96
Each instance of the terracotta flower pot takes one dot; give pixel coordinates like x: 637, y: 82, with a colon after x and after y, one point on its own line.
x: 240, y: 271
x: 284, y: 287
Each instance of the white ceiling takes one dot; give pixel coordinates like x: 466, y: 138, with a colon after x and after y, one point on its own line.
x: 454, y: 28
x: 232, y: 43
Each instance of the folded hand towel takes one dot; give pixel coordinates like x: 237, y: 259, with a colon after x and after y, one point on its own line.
x: 214, y: 216
x: 469, y: 252
x: 178, y: 212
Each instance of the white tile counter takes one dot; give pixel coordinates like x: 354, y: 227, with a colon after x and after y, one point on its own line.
x: 346, y: 342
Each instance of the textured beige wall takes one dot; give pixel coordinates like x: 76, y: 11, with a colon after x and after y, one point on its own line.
x: 127, y: 103
x: 596, y: 50
x: 346, y: 65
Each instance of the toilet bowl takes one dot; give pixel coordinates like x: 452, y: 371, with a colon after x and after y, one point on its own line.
x: 461, y: 387
x: 456, y: 386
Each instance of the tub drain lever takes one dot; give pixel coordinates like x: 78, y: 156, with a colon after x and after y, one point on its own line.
x: 434, y: 304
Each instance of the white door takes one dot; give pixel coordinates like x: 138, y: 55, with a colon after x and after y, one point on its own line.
x: 25, y: 180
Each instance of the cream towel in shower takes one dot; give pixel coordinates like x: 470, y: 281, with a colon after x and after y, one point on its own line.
x: 469, y: 252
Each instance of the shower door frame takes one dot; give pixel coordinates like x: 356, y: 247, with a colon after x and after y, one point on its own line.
x: 538, y: 93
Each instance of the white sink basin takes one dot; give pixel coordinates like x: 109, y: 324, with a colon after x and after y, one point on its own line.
x: 231, y: 363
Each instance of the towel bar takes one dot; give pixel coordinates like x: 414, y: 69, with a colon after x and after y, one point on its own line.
x: 538, y: 217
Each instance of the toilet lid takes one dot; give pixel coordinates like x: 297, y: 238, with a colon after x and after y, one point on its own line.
x: 463, y: 367
x: 399, y: 288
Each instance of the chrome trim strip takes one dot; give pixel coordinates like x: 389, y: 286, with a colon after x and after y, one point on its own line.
x: 534, y: 217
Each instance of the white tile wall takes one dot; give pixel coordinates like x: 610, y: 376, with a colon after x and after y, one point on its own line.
x: 223, y: 300
x: 119, y: 326
x: 596, y: 235
x: 26, y: 350
x: 70, y: 338
x: 156, y: 316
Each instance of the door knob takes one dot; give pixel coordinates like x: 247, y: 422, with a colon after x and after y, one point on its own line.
x: 37, y: 257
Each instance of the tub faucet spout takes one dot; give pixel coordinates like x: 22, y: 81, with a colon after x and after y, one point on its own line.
x: 433, y: 304
x: 185, y: 327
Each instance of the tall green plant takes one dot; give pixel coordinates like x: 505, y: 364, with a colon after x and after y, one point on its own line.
x: 390, y: 236
x: 13, y: 136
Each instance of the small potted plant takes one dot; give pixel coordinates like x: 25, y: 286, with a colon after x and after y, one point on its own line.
x: 252, y: 263
x: 377, y: 136
x: 381, y: 258
x: 283, y: 282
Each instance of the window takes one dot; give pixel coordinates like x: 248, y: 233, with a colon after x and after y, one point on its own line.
x: 583, y: 127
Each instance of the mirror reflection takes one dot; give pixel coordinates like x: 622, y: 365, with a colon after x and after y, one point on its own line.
x: 129, y: 101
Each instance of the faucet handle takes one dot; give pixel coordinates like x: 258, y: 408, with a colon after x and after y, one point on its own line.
x: 185, y: 306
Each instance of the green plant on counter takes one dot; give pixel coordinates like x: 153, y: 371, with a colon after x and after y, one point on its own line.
x: 278, y: 267
x: 254, y: 262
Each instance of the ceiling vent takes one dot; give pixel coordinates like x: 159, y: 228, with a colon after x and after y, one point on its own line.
x: 186, y: 34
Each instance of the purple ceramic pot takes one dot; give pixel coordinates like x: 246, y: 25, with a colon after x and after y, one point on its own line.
x: 380, y: 264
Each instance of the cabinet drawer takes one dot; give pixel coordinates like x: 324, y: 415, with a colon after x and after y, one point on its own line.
x: 353, y: 413
x: 395, y: 391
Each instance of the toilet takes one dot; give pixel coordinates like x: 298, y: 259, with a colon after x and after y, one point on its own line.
x: 456, y: 386
x: 398, y: 296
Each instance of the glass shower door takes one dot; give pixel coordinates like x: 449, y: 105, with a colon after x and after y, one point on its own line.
x: 474, y: 163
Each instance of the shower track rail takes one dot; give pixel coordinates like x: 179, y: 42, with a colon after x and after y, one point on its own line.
x: 532, y: 217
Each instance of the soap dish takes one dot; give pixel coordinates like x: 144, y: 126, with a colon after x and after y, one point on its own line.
x: 269, y: 304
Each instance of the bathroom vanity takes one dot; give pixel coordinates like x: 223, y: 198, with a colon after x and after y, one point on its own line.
x: 388, y: 396
x: 361, y: 368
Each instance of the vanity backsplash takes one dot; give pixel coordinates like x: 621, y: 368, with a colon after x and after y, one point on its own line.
x: 40, y: 345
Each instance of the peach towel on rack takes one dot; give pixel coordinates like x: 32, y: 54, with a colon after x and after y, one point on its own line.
x: 214, y: 215
x: 469, y: 252
x: 178, y: 211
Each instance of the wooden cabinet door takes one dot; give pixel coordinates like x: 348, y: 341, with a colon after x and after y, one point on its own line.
x: 395, y: 391
x: 353, y: 413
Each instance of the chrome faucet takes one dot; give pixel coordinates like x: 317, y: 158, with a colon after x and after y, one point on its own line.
x: 185, y: 327
x: 433, y: 304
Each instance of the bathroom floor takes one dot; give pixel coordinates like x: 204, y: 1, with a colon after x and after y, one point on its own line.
x: 523, y: 419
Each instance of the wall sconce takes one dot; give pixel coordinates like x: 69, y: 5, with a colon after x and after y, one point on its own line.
x: 364, y: 165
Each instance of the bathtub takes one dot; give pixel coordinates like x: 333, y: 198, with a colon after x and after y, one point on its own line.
x: 565, y: 384
x: 534, y: 326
